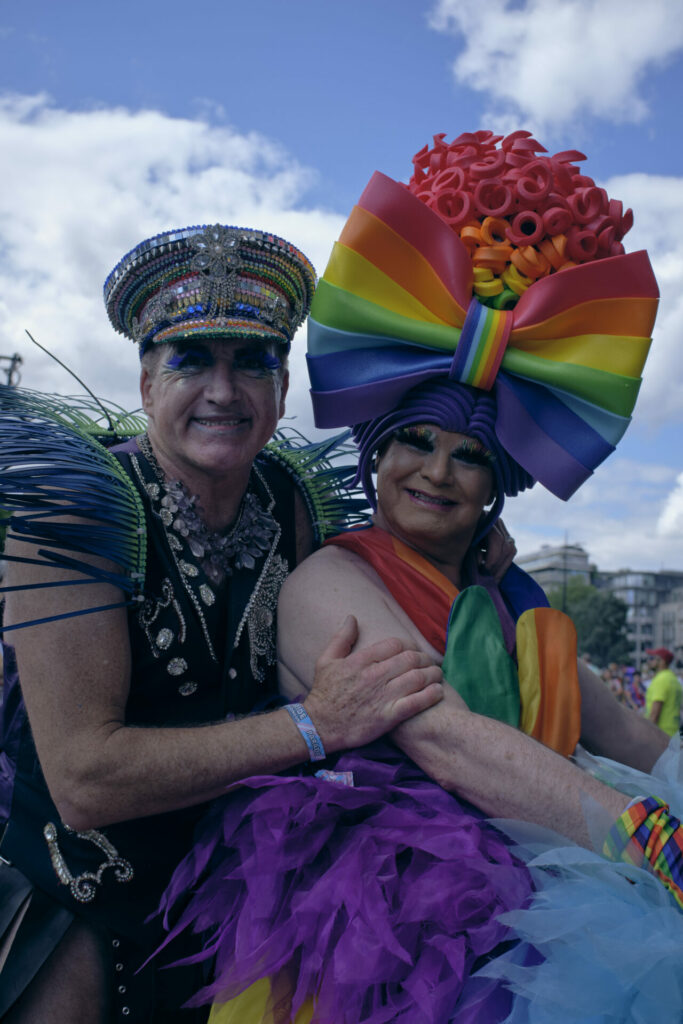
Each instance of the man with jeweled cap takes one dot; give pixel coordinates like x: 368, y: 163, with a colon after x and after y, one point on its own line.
x: 140, y: 686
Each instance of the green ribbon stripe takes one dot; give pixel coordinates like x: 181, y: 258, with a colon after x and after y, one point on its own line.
x: 335, y: 307
x: 610, y: 391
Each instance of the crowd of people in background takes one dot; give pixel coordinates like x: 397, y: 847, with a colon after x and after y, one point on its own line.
x: 633, y: 687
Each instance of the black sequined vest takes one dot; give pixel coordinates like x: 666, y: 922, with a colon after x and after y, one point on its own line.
x: 199, y: 655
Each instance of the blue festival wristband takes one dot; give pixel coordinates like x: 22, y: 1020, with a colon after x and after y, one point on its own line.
x: 301, y: 719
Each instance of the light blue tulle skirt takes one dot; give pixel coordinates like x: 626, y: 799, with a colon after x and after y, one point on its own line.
x: 610, y: 934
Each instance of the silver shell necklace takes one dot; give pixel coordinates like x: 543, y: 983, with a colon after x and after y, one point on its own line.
x: 219, y: 554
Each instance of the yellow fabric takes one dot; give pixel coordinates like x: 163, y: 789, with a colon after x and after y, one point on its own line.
x: 357, y: 275
x: 528, y: 669
x: 253, y: 1007
x: 622, y: 355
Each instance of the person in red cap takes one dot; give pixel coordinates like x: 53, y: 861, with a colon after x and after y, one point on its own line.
x: 663, y: 699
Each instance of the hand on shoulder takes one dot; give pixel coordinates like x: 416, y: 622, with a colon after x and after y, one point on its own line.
x: 358, y: 695
x: 365, y: 677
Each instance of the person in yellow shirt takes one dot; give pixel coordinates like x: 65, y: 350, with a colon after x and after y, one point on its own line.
x: 663, y: 698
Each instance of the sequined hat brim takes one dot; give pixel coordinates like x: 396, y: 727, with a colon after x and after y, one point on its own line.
x: 223, y: 329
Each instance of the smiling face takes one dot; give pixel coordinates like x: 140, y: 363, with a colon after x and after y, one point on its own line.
x: 212, y: 406
x: 432, y: 486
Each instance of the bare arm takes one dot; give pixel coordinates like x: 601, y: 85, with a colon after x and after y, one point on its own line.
x: 75, y: 677
x: 613, y: 730
x: 655, y: 711
x: 497, y: 768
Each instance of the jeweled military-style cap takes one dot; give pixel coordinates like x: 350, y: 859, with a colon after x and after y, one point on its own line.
x: 210, y: 281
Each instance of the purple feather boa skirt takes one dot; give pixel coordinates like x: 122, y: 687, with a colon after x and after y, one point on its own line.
x: 380, y: 899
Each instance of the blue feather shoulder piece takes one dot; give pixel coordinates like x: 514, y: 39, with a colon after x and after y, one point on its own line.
x: 62, y: 491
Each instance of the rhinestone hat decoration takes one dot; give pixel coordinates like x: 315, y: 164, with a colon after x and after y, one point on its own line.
x: 521, y: 215
x: 213, y: 281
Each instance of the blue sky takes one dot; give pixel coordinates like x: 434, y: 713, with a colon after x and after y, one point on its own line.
x: 121, y: 120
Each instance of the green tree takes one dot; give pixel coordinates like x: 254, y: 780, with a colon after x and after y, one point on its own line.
x: 4, y: 519
x: 599, y: 617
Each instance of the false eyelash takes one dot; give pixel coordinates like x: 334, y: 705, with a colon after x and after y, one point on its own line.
x: 418, y: 437
x: 269, y: 361
x: 256, y: 361
x: 474, y: 452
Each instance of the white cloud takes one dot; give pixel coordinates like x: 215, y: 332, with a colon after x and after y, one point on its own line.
x: 658, y: 205
x: 554, y: 61
x: 670, y: 522
x: 80, y: 189
x: 615, y: 516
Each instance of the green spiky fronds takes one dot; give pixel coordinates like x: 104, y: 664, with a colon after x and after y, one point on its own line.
x: 53, y: 465
x: 87, y: 415
x: 325, y: 482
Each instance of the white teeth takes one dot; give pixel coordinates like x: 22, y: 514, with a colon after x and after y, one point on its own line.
x: 431, y: 499
x: 220, y: 423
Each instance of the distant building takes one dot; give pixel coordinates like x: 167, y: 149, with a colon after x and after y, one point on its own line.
x: 552, y: 566
x: 668, y: 625
x: 644, y: 594
x: 654, y: 600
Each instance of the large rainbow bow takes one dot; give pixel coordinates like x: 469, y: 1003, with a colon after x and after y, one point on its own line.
x: 395, y: 308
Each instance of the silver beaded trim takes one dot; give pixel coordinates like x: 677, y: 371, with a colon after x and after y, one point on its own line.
x: 261, y: 621
x: 149, y: 613
x: 184, y: 579
x: 83, y: 887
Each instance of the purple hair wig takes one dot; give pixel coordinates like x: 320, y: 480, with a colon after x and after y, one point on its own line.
x: 450, y: 406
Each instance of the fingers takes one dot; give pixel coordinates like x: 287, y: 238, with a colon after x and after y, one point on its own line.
x: 357, y: 695
x: 506, y: 540
x: 414, y: 703
x: 413, y: 692
x: 341, y: 643
x: 416, y: 681
x: 384, y: 650
x: 405, y: 665
x: 501, y: 528
x: 500, y: 550
x: 410, y: 691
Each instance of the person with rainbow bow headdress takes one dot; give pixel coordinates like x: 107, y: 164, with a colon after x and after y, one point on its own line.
x: 481, y: 329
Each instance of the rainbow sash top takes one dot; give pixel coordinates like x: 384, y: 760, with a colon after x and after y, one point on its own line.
x: 395, y: 308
